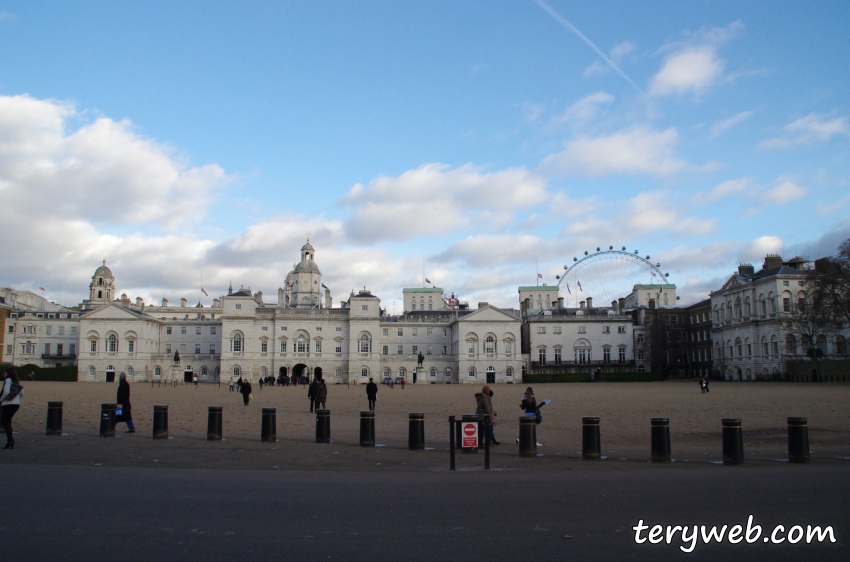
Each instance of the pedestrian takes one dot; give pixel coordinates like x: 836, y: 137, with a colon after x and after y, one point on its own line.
x: 195, y: 379
x: 372, y: 394
x: 245, y: 389
x: 311, y: 393
x: 706, y: 384
x: 321, y: 394
x: 231, y: 383
x: 239, y: 384
x: 702, y: 385
x: 484, y: 406
x: 402, y: 383
x: 261, y: 383
x: 122, y: 400
x: 10, y: 401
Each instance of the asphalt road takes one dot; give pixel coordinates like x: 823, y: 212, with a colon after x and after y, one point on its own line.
x: 135, y: 513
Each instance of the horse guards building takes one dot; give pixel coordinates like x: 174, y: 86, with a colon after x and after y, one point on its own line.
x: 738, y: 333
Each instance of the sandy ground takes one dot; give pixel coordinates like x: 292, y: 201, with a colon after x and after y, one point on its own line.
x: 625, y: 410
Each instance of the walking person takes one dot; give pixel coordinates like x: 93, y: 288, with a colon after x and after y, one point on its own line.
x: 372, y: 394
x: 239, y: 384
x: 530, y: 406
x: 311, y: 392
x: 123, y: 399
x: 231, y: 383
x: 10, y: 401
x: 484, y: 406
x: 261, y: 383
x: 321, y: 394
x: 402, y: 383
x: 702, y: 385
x: 245, y: 389
x: 706, y: 384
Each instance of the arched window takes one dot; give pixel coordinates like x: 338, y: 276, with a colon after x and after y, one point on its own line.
x: 112, y: 343
x: 387, y: 373
x: 157, y: 372
x: 364, y: 372
x: 790, y: 345
x: 740, y: 347
x: 236, y: 372
x: 204, y: 372
x: 840, y: 346
x: 338, y: 372
x: 489, y: 346
x: 509, y: 372
x: 641, y: 369
x: 91, y: 372
x: 402, y: 372
x: 129, y: 372
x: 264, y: 372
x: 301, y: 344
x: 448, y: 373
x: 472, y: 372
x: 236, y: 343
x: 433, y: 373
x: 364, y: 345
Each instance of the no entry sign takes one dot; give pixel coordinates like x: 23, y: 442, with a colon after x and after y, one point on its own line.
x: 470, y: 434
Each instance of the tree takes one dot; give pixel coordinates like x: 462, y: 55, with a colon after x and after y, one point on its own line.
x: 833, y: 281
x: 812, y: 318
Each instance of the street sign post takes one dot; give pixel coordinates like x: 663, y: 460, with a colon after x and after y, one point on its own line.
x: 469, y: 432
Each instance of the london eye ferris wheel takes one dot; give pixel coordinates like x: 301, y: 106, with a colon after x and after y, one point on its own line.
x: 607, y: 275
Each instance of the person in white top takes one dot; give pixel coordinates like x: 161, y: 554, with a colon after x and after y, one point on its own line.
x: 10, y: 401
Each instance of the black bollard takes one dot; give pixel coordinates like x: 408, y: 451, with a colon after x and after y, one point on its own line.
x: 733, y: 441
x: 527, y: 436
x: 452, y: 425
x: 661, y: 440
x: 591, y: 447
x: 798, y: 439
x: 367, y: 429
x: 160, y: 421
x: 268, y: 431
x: 323, y: 426
x: 107, y: 420
x: 214, y: 423
x: 54, y: 418
x: 416, y: 431
x: 465, y: 418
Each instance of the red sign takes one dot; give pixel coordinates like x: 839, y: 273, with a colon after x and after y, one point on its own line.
x: 470, y: 434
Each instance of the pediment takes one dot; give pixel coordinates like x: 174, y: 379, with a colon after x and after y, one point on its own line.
x: 112, y: 311
x: 733, y: 282
x: 488, y: 314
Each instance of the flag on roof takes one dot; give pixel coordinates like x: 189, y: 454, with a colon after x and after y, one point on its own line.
x: 204, y: 292
x: 40, y: 288
x: 579, y: 286
x: 325, y: 286
x: 540, y: 276
x: 428, y: 280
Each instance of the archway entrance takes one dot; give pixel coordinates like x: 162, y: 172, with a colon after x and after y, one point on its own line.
x: 317, y: 373
x: 414, y: 376
x: 298, y: 371
x: 188, y: 375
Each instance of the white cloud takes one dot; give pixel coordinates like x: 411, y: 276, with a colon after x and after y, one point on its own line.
x: 807, y: 130
x: 691, y: 70
x: 722, y: 190
x: 723, y: 125
x: 616, y: 55
x: 620, y: 50
x: 754, y: 251
x: 103, y: 171
x: 638, y: 150
x: 435, y: 199
x: 584, y: 110
x: 785, y: 192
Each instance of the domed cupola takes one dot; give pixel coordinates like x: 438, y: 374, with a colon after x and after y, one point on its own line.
x: 305, y: 281
x: 102, y: 287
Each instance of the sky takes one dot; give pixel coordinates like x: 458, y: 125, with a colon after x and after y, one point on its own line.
x: 475, y: 143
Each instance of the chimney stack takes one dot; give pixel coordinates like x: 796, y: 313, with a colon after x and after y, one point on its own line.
x: 772, y: 261
x: 560, y: 302
x: 589, y: 302
x: 746, y: 269
x: 621, y: 305
x: 581, y: 304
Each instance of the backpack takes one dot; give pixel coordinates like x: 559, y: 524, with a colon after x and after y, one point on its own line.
x: 539, y: 416
x: 14, y: 389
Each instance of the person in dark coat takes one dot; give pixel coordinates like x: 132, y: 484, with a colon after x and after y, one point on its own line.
x: 311, y: 392
x: 123, y: 398
x: 245, y: 389
x: 372, y: 394
x: 321, y: 394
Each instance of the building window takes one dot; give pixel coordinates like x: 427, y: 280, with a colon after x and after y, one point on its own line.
x: 582, y: 355
x: 339, y: 328
x: 471, y: 348
x: 364, y: 372
x: 364, y: 345
x: 541, y: 329
x: 183, y: 349
x: 433, y: 373
x: 582, y: 330
x: 385, y: 350
x: 111, y: 343
x: 47, y: 349
x: 400, y: 350
x: 364, y: 307
x: 386, y: 332
x: 48, y: 330
x: 786, y: 305
x: 157, y: 372
x: 283, y: 328
x: 182, y: 330
x: 557, y: 356
x: 489, y: 346
x: 622, y: 355
x: 444, y: 350
x: 236, y: 343
x: 428, y: 350
x: 415, y: 350
x: 168, y: 330
x: 541, y: 355
x: 236, y: 371
x: 556, y: 329
x: 212, y: 349
x: 198, y: 330
x: 640, y: 355
x: 415, y: 332
x: 238, y: 307
x: 212, y: 330
x: 428, y: 331
x: 318, y: 346
x: 640, y: 338
x: 131, y: 346
x: 264, y: 346
x: 606, y: 354
x: 641, y: 369
x: 401, y: 331
x: 621, y: 329
x: 58, y: 349
x: 93, y: 346
x: 472, y: 372
x: 301, y: 344
x: 338, y: 348
x: 606, y: 329
x: 283, y: 346
x: 197, y: 349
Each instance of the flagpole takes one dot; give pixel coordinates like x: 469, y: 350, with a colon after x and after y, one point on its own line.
x: 537, y: 277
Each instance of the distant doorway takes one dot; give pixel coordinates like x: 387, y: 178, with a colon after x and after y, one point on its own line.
x: 299, y: 371
x: 187, y: 376
x: 110, y: 374
x: 491, y: 376
x: 414, y: 376
x: 317, y: 373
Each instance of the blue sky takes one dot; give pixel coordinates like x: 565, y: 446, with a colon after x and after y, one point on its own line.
x: 485, y: 140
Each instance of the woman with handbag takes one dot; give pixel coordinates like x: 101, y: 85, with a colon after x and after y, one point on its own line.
x: 10, y: 401
x: 122, y: 400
